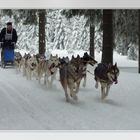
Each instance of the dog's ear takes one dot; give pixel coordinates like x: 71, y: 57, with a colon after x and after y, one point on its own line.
x: 78, y: 56
x: 66, y: 57
x: 86, y: 53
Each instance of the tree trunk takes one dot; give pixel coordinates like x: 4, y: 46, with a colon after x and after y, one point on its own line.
x: 126, y: 34
x: 92, y: 32
x: 139, y: 45
x: 107, y: 51
x: 42, y: 23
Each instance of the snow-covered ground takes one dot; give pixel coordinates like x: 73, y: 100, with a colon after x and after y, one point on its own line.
x: 28, y: 105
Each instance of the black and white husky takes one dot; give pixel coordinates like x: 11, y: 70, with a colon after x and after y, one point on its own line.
x: 106, y: 74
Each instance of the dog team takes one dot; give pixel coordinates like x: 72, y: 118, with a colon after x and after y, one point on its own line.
x: 71, y: 72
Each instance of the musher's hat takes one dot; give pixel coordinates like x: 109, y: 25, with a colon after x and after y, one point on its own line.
x: 9, y: 23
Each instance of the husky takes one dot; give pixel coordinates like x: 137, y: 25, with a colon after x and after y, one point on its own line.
x: 48, y: 68
x: 106, y: 74
x: 18, y: 61
x: 83, y: 62
x: 24, y: 62
x: 40, y: 57
x: 31, y: 68
x: 71, y: 74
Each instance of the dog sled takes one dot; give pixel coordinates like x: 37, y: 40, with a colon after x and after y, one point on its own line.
x: 7, y: 58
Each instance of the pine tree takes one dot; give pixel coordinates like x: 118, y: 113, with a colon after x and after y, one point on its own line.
x: 69, y: 34
x: 30, y: 17
x: 92, y: 20
x: 7, y: 12
x: 125, y: 29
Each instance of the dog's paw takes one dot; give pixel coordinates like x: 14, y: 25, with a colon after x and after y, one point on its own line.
x: 103, y: 96
x: 84, y: 85
x: 75, y: 97
x: 67, y: 99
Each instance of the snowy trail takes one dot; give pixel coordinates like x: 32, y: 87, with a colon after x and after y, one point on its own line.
x: 27, y: 105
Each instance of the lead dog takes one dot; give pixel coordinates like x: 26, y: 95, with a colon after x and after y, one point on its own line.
x: 106, y: 74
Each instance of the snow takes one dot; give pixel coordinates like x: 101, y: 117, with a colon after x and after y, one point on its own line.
x: 28, y: 105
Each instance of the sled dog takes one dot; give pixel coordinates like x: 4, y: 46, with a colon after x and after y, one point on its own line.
x: 24, y: 62
x: 71, y: 74
x: 106, y: 74
x: 48, y: 68
x: 31, y: 68
x: 18, y: 61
